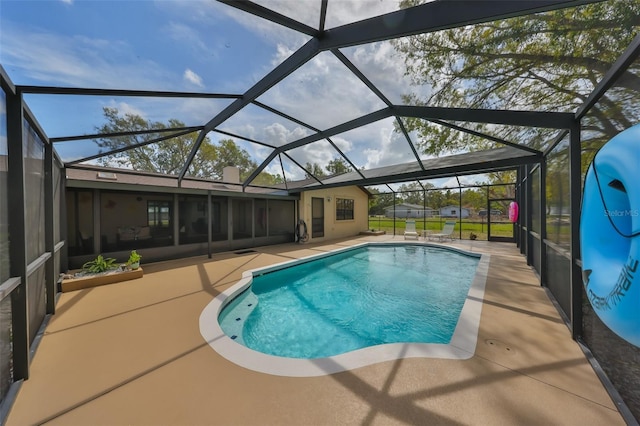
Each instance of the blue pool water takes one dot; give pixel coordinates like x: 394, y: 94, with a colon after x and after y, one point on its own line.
x: 363, y: 297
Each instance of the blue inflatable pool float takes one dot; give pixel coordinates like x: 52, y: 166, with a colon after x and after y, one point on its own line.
x: 610, y: 234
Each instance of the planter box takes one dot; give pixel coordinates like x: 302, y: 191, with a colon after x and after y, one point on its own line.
x: 373, y: 232
x: 72, y: 284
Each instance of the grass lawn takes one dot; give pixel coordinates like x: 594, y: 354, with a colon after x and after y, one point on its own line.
x: 501, y: 228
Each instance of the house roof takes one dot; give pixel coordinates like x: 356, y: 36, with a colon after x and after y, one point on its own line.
x: 110, y: 178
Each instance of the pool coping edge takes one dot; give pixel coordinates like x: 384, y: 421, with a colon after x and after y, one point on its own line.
x: 462, y: 345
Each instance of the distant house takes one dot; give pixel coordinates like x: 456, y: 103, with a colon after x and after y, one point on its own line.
x: 454, y: 211
x: 494, y: 212
x: 406, y: 210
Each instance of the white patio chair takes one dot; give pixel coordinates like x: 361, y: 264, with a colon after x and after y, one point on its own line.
x: 445, y: 234
x: 410, y: 229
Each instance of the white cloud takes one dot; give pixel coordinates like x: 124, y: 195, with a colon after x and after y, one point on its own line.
x: 192, y: 78
x: 217, y: 15
x: 263, y: 28
x: 126, y: 108
x: 275, y: 169
x: 185, y: 34
x: 246, y: 130
x: 340, y: 12
x: 389, y: 148
x: 319, y: 153
x: 345, y: 145
x: 446, y: 183
x: 306, y: 12
x: 276, y: 134
x: 260, y: 153
x: 67, y: 1
x: 196, y: 111
x: 322, y: 93
x: 79, y: 61
x: 381, y: 64
x: 191, y: 40
x: 282, y: 52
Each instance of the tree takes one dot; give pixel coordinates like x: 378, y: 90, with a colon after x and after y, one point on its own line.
x: 411, y: 193
x: 338, y: 166
x: 314, y: 170
x: 543, y: 62
x: 169, y: 156
x: 504, y: 181
x: 267, y: 179
x: 475, y: 198
x: 230, y: 154
x: 166, y: 157
x: 379, y: 201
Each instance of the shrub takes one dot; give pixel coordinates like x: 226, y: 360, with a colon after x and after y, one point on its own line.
x: 99, y: 264
x: 134, y: 257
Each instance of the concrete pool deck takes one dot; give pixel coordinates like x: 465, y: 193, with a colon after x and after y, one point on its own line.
x: 132, y: 353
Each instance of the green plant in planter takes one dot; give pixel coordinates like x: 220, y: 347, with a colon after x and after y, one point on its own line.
x: 99, y: 264
x: 134, y: 259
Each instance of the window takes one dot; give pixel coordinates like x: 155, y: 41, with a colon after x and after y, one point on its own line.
x: 158, y: 214
x: 344, y: 209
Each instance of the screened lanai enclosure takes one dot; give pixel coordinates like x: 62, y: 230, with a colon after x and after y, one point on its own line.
x: 364, y: 109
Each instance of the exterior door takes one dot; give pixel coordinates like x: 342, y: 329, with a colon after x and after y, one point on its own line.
x: 317, y: 217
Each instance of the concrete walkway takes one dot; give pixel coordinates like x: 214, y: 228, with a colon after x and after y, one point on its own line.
x: 131, y: 353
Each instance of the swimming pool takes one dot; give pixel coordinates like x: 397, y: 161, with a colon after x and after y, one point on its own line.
x: 363, y: 346
x: 363, y: 297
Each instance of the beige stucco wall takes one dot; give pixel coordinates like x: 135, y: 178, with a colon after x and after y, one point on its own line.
x: 333, y: 228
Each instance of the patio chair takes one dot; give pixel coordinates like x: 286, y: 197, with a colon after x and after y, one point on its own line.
x: 410, y: 229
x: 445, y: 234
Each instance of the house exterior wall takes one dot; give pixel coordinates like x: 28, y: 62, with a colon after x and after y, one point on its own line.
x: 454, y: 211
x: 336, y: 228
x: 116, y: 219
x: 404, y: 211
x: 120, y: 210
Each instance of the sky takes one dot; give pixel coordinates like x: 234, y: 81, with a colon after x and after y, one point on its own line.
x: 203, y: 46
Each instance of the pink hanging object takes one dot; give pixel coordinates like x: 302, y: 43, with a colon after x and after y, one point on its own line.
x: 513, y: 211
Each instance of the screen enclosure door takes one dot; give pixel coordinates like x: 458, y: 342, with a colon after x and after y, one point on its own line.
x: 499, y: 226
x: 317, y: 217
